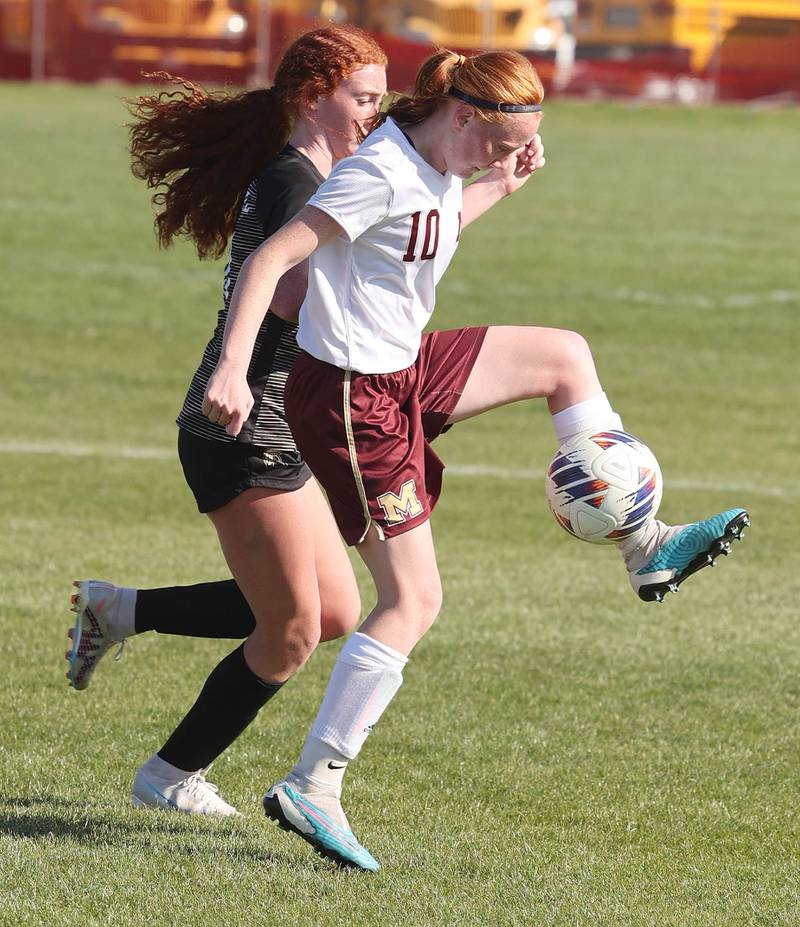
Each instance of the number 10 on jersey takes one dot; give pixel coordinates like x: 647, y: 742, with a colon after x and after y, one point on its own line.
x: 431, y: 240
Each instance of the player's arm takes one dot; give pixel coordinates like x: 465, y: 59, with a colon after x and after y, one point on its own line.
x: 279, y: 199
x: 228, y: 399
x: 507, y: 176
x: 290, y: 293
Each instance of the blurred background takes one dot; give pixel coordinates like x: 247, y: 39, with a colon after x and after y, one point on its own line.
x: 687, y: 51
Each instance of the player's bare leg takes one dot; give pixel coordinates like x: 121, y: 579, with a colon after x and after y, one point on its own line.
x: 286, y: 555
x: 108, y: 615
x: 290, y: 563
x: 525, y: 362
x: 366, y: 677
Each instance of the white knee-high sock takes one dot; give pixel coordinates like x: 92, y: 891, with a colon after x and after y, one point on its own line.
x: 365, y: 679
x: 593, y: 414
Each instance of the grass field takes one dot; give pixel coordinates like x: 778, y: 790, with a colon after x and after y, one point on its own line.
x: 561, y: 754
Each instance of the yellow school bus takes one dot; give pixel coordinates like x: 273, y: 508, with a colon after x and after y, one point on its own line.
x: 518, y: 24
x: 89, y: 39
x: 98, y: 38
x: 763, y: 31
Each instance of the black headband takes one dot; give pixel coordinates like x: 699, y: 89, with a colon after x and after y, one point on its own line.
x: 497, y: 107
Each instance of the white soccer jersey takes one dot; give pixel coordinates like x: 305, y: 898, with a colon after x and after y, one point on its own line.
x: 371, y: 290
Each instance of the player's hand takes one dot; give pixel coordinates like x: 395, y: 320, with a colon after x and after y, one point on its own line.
x: 518, y: 166
x: 228, y: 399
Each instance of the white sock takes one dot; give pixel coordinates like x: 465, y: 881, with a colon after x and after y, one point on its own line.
x: 166, y: 772
x: 321, y: 765
x: 365, y: 679
x: 121, y: 618
x: 639, y: 547
x: 593, y: 414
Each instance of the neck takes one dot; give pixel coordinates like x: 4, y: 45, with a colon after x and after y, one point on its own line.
x: 427, y: 136
x: 311, y: 141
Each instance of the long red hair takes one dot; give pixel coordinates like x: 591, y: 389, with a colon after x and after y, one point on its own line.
x: 199, y: 150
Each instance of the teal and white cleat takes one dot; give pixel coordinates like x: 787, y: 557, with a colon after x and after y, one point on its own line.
x: 673, y: 553
x: 95, y: 604
x: 295, y: 812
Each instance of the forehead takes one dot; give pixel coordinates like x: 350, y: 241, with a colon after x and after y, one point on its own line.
x: 516, y: 129
x: 367, y: 79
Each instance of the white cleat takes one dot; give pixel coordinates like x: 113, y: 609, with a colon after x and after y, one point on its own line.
x: 193, y: 794
x: 95, y: 604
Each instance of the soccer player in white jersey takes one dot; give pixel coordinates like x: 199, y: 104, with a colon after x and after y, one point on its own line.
x: 368, y: 394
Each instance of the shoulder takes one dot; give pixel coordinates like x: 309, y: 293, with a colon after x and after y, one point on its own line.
x: 375, y: 160
x: 289, y: 170
x: 283, y: 187
x: 385, y: 142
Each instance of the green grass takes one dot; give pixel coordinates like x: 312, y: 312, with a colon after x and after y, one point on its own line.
x: 560, y: 754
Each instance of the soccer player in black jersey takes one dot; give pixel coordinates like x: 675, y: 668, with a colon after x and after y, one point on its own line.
x: 293, y: 584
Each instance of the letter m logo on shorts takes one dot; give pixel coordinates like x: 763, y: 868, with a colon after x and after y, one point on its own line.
x: 401, y: 507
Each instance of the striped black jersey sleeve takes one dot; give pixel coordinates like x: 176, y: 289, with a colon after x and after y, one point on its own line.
x: 273, y: 198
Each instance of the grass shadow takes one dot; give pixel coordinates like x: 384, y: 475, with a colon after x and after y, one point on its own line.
x: 84, y: 826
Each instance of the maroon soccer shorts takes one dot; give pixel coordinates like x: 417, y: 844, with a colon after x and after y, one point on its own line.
x: 367, y: 437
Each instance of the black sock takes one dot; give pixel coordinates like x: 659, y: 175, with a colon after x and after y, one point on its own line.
x: 205, y: 610
x: 232, y: 696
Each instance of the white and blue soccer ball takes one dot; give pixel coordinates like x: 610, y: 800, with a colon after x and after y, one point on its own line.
x: 602, y: 487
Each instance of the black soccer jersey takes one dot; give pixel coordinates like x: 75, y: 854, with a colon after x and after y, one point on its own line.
x: 277, y: 194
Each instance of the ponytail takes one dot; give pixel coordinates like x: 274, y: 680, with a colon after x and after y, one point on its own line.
x: 200, y: 151
x: 433, y: 80
x: 502, y: 76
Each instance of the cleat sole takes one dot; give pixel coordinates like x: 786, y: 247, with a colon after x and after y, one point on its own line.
x: 79, y: 603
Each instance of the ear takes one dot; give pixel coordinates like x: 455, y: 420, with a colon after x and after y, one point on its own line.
x: 463, y: 114
x: 309, y: 100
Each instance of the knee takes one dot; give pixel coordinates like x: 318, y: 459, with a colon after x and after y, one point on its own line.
x: 340, y: 617
x: 299, y: 640
x: 574, y: 352
x: 422, y: 604
x: 281, y: 648
x: 573, y: 364
x: 431, y: 600
x: 430, y: 607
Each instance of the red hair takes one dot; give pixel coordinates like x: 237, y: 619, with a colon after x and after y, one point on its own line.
x: 501, y: 76
x: 200, y: 150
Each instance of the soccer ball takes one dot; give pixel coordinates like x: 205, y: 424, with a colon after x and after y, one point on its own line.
x: 602, y: 487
